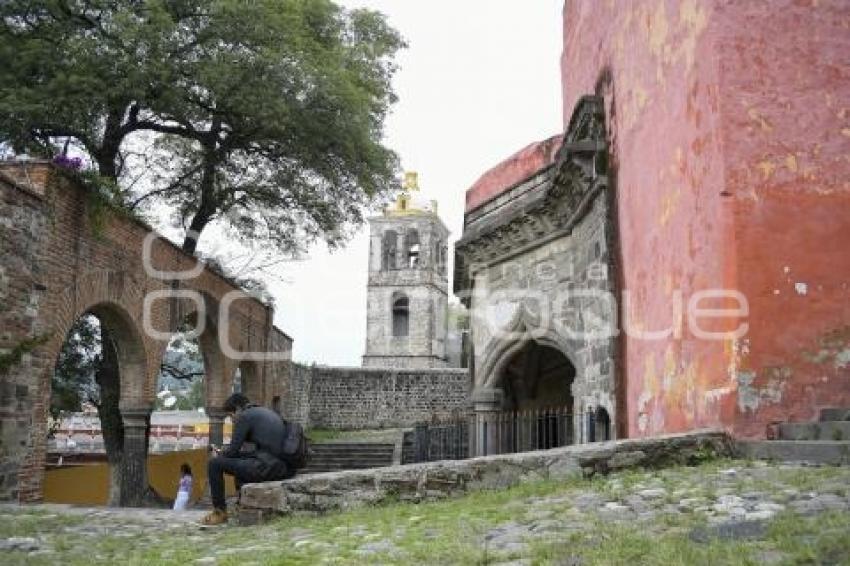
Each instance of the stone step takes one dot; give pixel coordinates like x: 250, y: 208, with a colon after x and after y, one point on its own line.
x: 353, y: 452
x: 834, y: 452
x: 346, y: 457
x: 341, y: 451
x: 835, y: 414
x: 353, y: 445
x: 348, y: 464
x: 322, y: 469
x: 359, y: 466
x: 825, y: 430
x: 338, y: 456
x: 350, y: 454
x: 342, y: 464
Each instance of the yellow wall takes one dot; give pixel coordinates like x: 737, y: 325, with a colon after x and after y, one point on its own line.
x: 89, y: 484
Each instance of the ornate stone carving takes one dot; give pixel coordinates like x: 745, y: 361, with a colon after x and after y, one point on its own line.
x: 578, y: 174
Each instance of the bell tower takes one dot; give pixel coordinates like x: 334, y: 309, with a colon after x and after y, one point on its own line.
x: 407, y: 300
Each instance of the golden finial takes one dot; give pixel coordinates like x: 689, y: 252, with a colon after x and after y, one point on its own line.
x: 411, y: 181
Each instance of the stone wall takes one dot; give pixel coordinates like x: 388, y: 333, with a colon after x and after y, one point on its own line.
x: 23, y: 225
x: 449, y: 478
x: 362, y: 398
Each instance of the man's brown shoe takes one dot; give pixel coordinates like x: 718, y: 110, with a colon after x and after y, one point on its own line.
x: 216, y: 517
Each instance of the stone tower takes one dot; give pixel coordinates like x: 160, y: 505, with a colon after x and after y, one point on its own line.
x: 407, y: 292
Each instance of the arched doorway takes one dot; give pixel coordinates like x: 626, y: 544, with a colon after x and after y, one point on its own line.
x: 535, y: 409
x: 537, y: 376
x: 102, y: 356
x: 179, y: 417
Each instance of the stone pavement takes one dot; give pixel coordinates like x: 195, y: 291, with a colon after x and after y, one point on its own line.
x: 727, y: 501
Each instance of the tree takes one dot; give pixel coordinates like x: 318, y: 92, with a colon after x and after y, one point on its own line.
x: 266, y: 115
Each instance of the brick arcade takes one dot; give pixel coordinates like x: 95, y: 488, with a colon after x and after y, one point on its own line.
x: 59, y: 263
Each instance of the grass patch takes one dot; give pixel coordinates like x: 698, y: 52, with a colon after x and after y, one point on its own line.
x: 454, y: 531
x: 791, y: 539
x: 325, y: 435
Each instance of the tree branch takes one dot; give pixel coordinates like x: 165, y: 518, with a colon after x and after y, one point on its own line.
x: 177, y: 373
x: 163, y: 190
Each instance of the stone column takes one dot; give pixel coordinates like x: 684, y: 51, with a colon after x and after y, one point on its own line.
x: 216, y: 417
x: 487, y: 403
x: 134, y: 473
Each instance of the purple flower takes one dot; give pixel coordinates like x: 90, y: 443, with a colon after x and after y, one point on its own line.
x: 73, y: 163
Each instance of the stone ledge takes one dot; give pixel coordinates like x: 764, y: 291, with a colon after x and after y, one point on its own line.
x: 437, y: 480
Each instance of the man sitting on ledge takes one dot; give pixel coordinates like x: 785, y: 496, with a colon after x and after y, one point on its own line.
x: 265, y: 430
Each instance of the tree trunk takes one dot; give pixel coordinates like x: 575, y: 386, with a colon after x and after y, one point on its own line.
x: 126, y: 449
x: 199, y: 222
x: 109, y: 412
x: 208, y: 205
x: 134, y: 483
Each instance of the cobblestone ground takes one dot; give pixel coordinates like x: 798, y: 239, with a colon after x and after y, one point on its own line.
x: 727, y: 512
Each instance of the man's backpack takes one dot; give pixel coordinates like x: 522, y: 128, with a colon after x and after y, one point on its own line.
x: 294, y: 444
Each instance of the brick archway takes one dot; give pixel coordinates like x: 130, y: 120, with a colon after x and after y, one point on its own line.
x: 58, y: 262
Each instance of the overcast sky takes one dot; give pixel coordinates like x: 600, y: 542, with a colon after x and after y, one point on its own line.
x: 479, y: 80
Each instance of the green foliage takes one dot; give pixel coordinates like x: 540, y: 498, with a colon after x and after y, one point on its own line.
x: 73, y: 381
x: 103, y: 197
x: 705, y: 453
x: 458, y: 317
x: 268, y: 115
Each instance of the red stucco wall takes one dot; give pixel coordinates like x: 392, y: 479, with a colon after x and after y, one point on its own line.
x: 785, y: 102
x: 729, y: 130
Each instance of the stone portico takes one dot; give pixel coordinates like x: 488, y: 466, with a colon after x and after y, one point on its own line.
x: 535, y: 268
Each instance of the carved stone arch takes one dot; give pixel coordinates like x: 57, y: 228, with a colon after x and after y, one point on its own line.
x: 501, y: 350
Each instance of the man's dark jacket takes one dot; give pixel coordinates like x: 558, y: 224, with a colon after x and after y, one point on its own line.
x: 260, y: 426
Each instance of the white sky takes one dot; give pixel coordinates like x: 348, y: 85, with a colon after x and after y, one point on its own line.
x: 479, y: 80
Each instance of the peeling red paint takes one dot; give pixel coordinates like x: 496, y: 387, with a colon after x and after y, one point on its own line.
x: 792, y: 227
x: 729, y: 131
x: 654, y: 64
